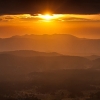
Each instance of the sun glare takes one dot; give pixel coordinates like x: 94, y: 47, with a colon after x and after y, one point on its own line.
x: 50, y: 17
x: 46, y: 16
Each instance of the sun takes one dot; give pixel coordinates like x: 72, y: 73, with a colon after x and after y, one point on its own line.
x: 46, y: 16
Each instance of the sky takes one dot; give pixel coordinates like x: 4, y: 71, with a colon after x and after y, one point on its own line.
x: 77, y: 17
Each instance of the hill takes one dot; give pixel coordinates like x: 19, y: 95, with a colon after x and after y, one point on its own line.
x: 62, y: 43
x: 13, y: 64
x: 92, y: 57
x: 30, y: 53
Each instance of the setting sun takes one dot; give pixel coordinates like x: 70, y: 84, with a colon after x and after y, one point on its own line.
x: 46, y: 16
x: 49, y: 17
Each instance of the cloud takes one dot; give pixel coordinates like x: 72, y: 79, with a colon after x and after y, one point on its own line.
x: 57, y: 17
x: 76, y: 19
x: 0, y: 19
x: 9, y: 17
x: 6, y: 18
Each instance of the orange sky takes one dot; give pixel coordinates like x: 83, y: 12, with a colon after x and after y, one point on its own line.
x: 79, y: 25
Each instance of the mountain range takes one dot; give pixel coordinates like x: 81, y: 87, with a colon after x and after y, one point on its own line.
x: 62, y: 43
x: 15, y: 64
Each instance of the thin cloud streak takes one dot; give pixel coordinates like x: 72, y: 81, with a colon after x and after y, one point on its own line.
x: 56, y: 17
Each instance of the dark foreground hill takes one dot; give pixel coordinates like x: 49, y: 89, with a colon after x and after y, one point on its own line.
x: 15, y: 64
x: 24, y: 62
x: 30, y: 75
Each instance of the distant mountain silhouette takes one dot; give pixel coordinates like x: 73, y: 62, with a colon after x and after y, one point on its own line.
x: 30, y: 53
x: 62, y: 43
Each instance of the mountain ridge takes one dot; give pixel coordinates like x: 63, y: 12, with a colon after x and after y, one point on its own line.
x: 30, y: 53
x: 62, y: 43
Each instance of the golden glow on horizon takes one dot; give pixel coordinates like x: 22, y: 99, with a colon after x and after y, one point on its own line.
x: 48, y: 23
x: 49, y: 17
x: 46, y: 17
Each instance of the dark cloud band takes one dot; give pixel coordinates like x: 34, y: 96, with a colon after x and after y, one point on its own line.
x: 57, y: 6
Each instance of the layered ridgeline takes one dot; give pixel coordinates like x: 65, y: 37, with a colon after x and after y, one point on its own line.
x: 30, y: 61
x: 62, y: 43
x: 15, y: 64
